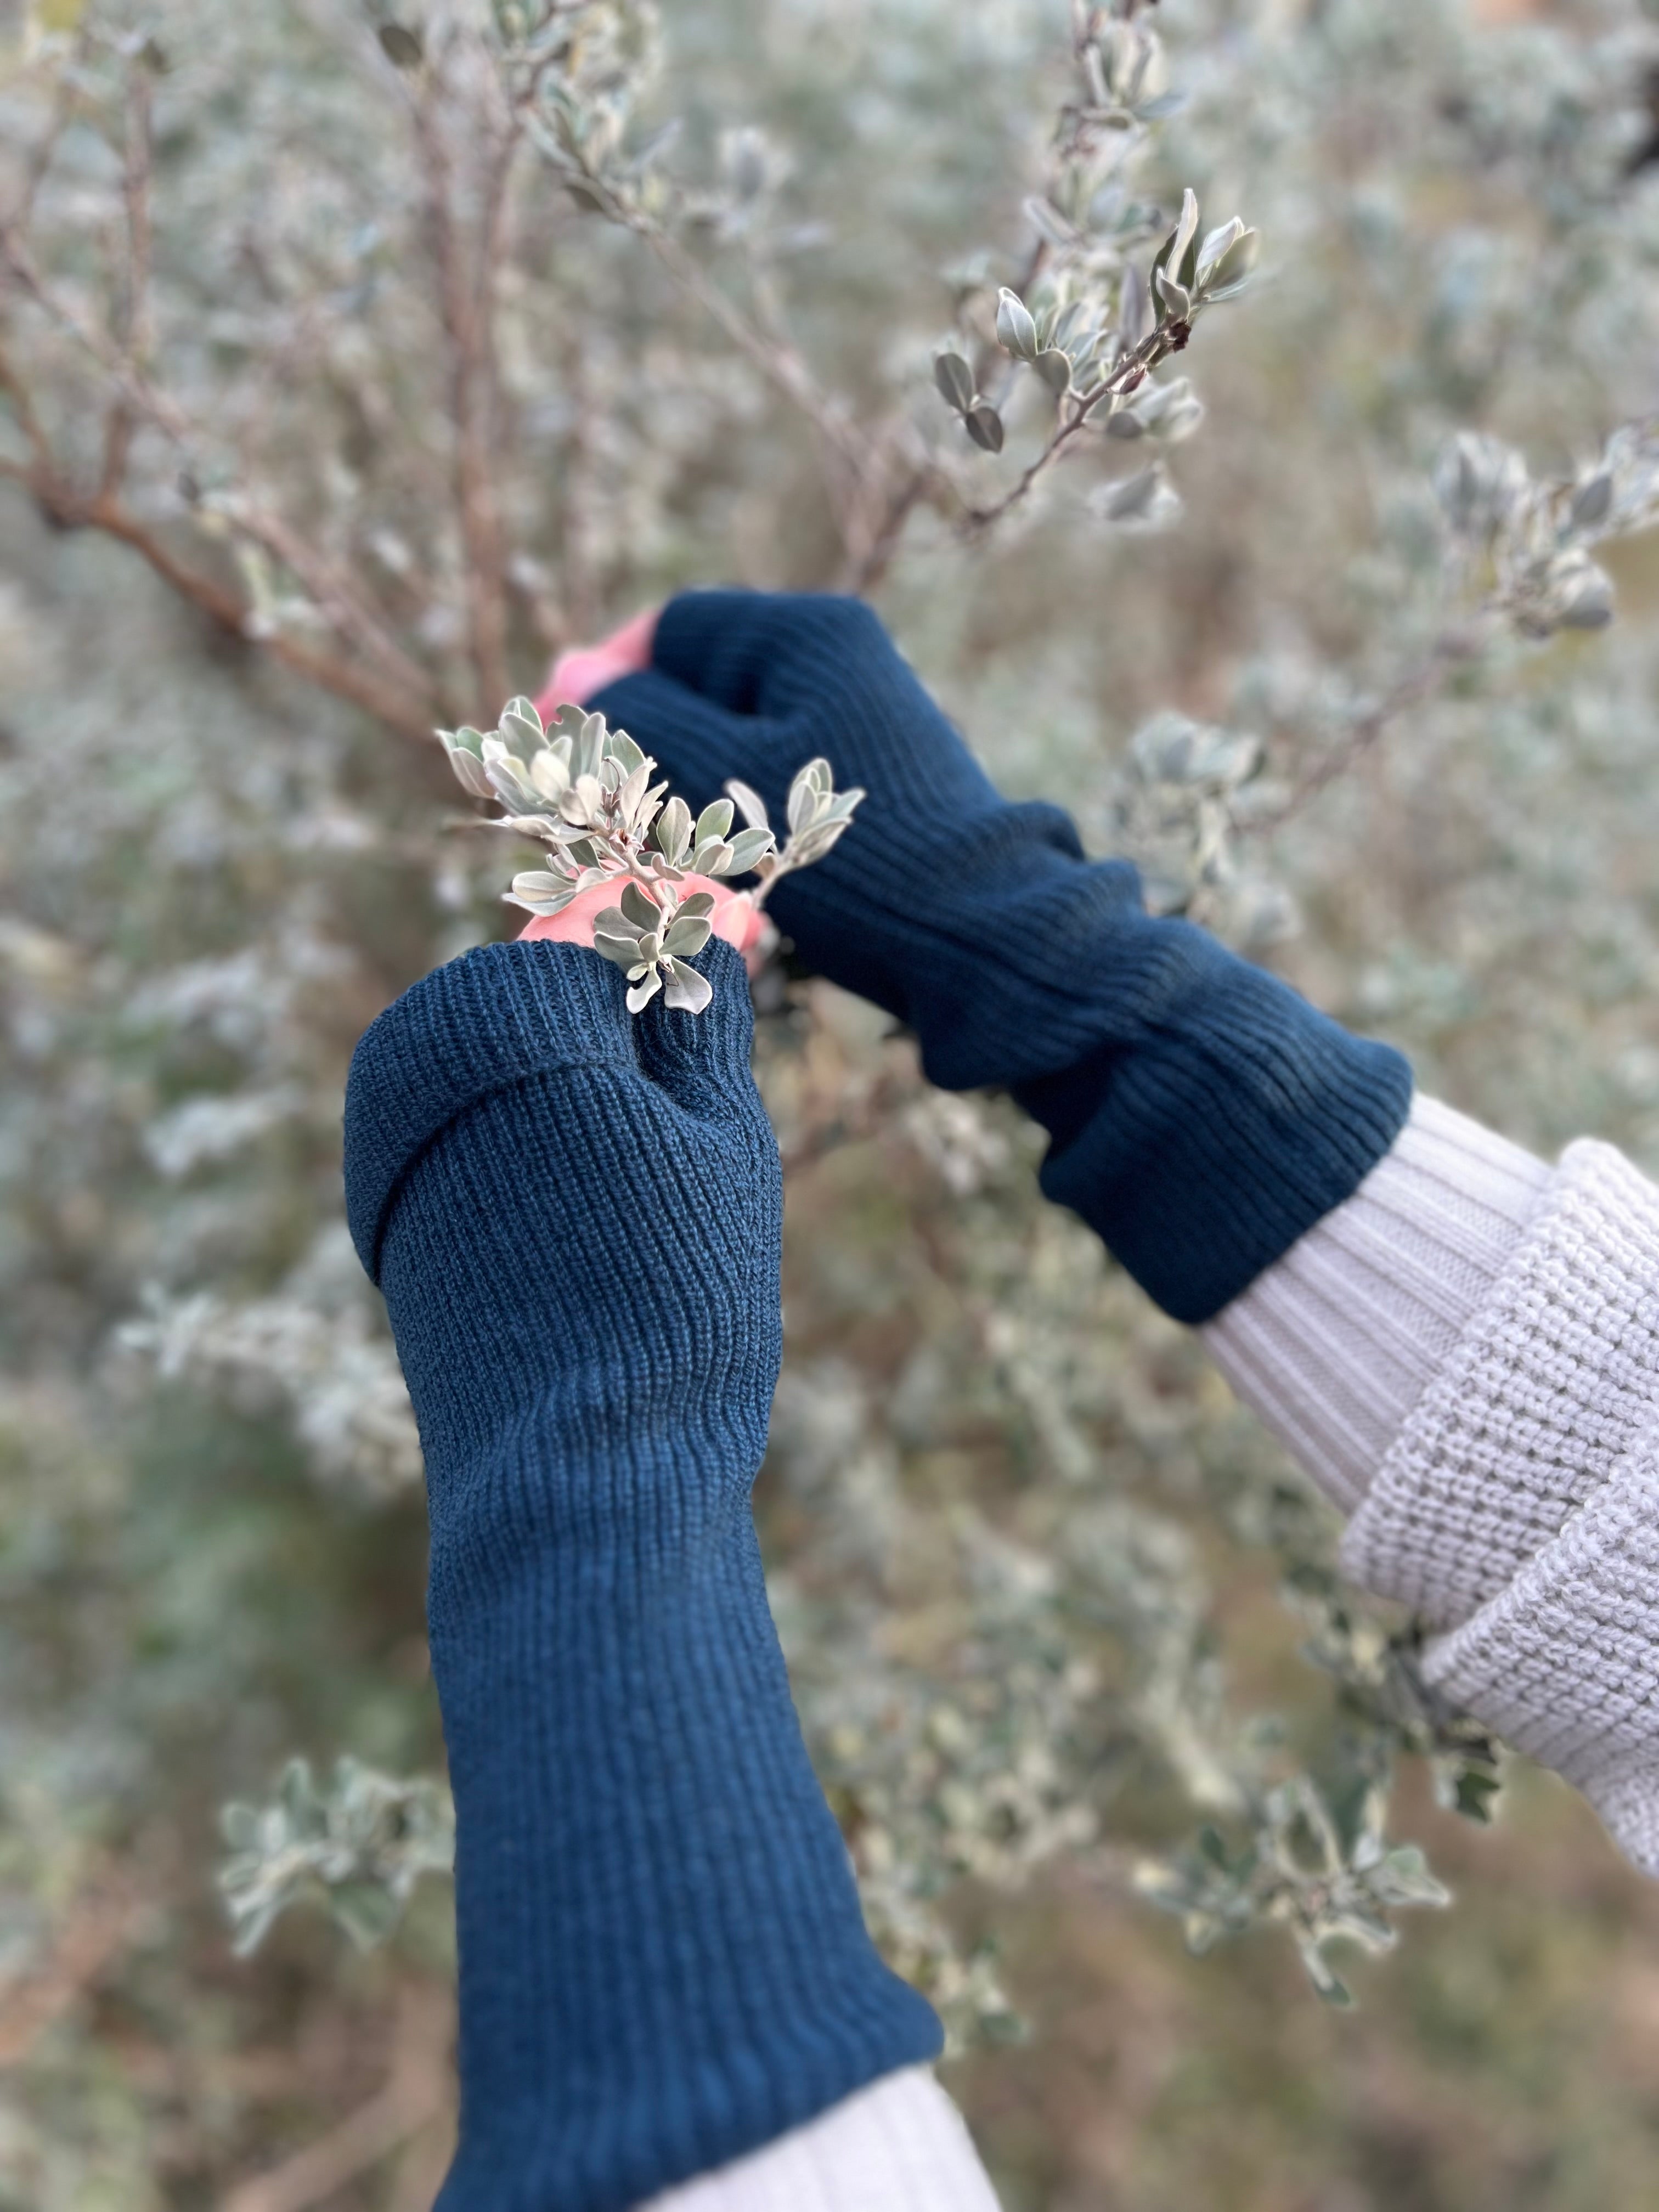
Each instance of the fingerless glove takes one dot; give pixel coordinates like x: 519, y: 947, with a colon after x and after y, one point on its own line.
x: 574, y: 1218
x: 1202, y: 1115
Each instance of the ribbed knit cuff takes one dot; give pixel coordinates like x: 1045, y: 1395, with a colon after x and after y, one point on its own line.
x: 899, y: 2146
x: 1334, y: 1345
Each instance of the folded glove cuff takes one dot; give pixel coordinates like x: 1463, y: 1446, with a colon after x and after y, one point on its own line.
x: 495, y: 1016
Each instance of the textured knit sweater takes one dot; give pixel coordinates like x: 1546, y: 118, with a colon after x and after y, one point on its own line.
x: 1466, y: 1358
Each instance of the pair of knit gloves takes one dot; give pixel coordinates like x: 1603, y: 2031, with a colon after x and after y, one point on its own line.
x: 574, y: 1215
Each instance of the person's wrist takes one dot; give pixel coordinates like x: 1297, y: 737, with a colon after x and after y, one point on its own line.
x: 582, y: 670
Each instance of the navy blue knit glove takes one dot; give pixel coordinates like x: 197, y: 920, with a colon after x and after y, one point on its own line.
x: 574, y: 1218
x: 1203, y: 1116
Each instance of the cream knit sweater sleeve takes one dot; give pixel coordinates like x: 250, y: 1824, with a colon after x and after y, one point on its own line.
x: 1465, y: 1356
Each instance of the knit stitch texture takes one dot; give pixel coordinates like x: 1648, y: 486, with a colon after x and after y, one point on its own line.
x: 1336, y: 1343
x: 1518, y: 1508
x: 574, y: 1218
x: 1544, y: 1399
x: 1202, y: 1115
x: 1563, y: 1662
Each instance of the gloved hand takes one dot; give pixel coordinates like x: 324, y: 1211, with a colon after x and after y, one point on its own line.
x: 574, y: 1218
x: 1203, y: 1116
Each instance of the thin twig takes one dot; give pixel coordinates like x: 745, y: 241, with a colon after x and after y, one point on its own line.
x: 846, y: 446
x: 98, y: 1927
x: 415, y: 2095
x: 466, y: 309
x: 133, y: 315
x: 408, y: 712
x: 852, y: 1125
x: 1450, y: 650
x: 1129, y: 373
x: 41, y: 157
x: 577, y: 585
x: 28, y: 420
x: 867, y: 564
x: 333, y: 594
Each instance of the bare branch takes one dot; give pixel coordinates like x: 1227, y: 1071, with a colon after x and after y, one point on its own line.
x: 467, y: 301
x: 331, y: 592
x: 410, y: 713
x: 1453, y: 648
x: 132, y: 313
x: 28, y: 422
x: 415, y: 2095
x: 101, y: 1920
x: 577, y: 585
x: 852, y: 461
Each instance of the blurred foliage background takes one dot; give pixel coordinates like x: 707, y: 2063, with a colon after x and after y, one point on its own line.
x: 330, y: 405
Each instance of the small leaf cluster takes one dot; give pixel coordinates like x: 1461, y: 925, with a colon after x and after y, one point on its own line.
x: 1095, y: 350
x: 1190, y: 273
x: 979, y: 416
x: 585, y: 792
x: 1121, y: 67
x: 1383, y: 1694
x: 1323, y: 1871
x: 363, y: 1840
x: 1536, y: 537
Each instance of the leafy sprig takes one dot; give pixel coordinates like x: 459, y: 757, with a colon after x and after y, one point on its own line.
x: 362, y: 1840
x: 585, y: 792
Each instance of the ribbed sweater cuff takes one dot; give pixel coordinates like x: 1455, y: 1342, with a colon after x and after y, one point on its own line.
x: 1334, y: 1345
x: 899, y: 2146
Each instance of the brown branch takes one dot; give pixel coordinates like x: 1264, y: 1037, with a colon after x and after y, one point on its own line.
x: 1126, y: 377
x: 416, y: 2094
x: 853, y: 1124
x: 890, y: 500
x: 781, y: 364
x: 40, y: 159
x: 396, y: 690
x: 100, y: 1922
x: 1452, y: 649
x: 349, y: 614
x: 132, y: 322
x: 465, y: 307
x: 847, y: 457
x: 411, y: 713
x: 577, y: 586
x: 331, y: 592
x: 28, y: 422
x: 883, y: 535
